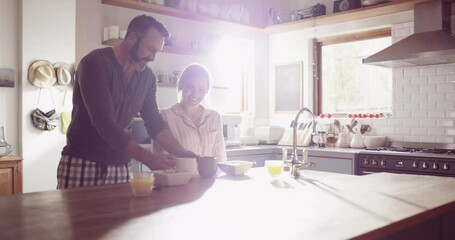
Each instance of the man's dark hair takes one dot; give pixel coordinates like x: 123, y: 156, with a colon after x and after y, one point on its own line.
x: 142, y: 23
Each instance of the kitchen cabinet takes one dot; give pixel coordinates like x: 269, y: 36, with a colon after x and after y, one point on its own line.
x: 335, y: 160
x: 10, y: 175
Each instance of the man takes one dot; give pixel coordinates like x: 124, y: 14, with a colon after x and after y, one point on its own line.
x: 112, y: 86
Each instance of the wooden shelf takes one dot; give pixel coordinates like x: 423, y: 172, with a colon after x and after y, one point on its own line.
x: 159, y: 9
x: 166, y: 48
x: 350, y: 15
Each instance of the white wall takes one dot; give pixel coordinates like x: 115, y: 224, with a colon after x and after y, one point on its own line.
x: 9, y: 47
x: 424, y: 105
x: 48, y: 32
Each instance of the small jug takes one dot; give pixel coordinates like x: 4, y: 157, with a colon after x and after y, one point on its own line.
x: 357, y: 140
x: 343, y: 140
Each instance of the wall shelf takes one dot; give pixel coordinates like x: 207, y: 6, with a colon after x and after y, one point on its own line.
x: 159, y: 9
x: 350, y: 15
x: 166, y: 48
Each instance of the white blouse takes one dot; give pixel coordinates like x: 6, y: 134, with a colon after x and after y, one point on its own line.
x: 205, y: 139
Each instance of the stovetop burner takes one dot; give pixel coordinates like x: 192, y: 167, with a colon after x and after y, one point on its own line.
x: 415, y: 150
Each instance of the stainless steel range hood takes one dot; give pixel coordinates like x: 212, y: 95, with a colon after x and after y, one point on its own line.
x: 432, y: 42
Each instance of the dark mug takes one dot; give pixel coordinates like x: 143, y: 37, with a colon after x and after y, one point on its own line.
x: 207, y: 166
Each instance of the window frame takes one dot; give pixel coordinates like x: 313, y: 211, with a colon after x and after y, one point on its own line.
x: 318, y: 43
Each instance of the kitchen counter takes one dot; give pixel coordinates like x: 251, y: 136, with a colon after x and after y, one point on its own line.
x: 318, y: 205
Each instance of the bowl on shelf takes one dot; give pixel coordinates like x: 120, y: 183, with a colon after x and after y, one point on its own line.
x: 171, y: 177
x: 375, y: 141
x: 235, y: 167
x: 5, y: 150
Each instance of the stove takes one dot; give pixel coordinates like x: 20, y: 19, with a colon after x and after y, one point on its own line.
x: 435, y: 159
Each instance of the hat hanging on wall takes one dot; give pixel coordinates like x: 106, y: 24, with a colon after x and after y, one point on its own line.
x: 64, y: 73
x: 41, y: 74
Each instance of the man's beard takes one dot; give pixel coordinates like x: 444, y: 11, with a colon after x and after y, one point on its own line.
x: 139, y: 64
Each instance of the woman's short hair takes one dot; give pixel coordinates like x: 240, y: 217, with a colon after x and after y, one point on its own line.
x: 192, y: 71
x: 142, y: 23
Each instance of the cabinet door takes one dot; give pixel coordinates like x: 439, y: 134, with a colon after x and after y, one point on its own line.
x: 6, y: 180
x: 336, y: 165
x: 10, y: 177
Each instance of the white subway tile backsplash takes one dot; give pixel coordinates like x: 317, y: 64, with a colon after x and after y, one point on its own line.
x: 428, y: 88
x: 395, y: 122
x: 450, y: 97
x: 411, y: 138
x: 428, y: 139
x: 419, y: 131
x: 428, y: 105
x: 446, y: 69
x: 450, y: 78
x: 426, y: 71
x: 403, y: 98
x: 399, y: 89
x: 411, y: 89
x: 436, y: 114
x: 446, y: 105
x: 386, y: 131
x: 436, y: 132
x: 398, y: 106
x: 447, y: 87
x: 419, y: 97
x: 423, y: 101
x: 419, y: 114
x: 445, y: 140
x: 395, y: 138
x: 428, y: 122
x: 411, y: 123
x: 420, y: 80
x: 437, y: 79
x: 437, y: 97
x: 398, y: 72
x: 411, y: 72
x: 406, y: 81
x: 446, y: 123
x: 402, y: 131
x: 451, y: 132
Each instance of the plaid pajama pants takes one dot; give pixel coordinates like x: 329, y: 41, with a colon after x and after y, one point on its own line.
x: 73, y: 172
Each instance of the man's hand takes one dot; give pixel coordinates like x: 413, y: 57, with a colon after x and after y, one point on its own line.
x: 160, y: 161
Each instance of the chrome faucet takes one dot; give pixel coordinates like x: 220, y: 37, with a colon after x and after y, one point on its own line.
x: 296, y: 164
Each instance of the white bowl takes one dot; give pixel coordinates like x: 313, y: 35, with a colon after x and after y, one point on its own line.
x: 375, y: 141
x: 171, y: 177
x: 235, y: 167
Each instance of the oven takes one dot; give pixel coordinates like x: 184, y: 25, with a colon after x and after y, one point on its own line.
x: 408, y: 160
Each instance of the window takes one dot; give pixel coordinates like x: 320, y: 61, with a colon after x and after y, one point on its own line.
x: 344, y: 85
x: 232, y: 67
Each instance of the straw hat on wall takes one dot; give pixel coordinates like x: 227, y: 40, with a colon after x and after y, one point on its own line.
x: 41, y: 74
x: 64, y: 73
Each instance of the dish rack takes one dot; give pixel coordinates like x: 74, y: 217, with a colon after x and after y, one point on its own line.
x: 303, y: 137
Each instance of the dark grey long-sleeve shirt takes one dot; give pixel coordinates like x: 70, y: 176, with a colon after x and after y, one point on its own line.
x: 104, y: 105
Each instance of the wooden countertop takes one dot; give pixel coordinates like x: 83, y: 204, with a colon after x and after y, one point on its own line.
x: 319, y: 205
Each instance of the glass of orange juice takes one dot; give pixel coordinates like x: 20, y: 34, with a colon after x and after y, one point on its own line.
x: 141, y: 183
x: 274, y: 167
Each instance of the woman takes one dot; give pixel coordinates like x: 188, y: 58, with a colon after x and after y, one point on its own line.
x: 197, y: 128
